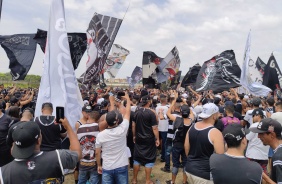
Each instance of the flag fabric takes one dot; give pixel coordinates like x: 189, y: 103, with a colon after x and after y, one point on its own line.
x: 219, y: 73
x: 169, y: 66
x: 0, y: 8
x: 101, y: 34
x: 149, y: 67
x: 136, y: 76
x: 254, y: 72
x: 260, y: 66
x: 115, y: 61
x: 58, y: 83
x: 77, y: 43
x: 173, y: 83
x: 20, y: 49
x: 246, y: 81
x: 191, y: 76
x: 272, y: 77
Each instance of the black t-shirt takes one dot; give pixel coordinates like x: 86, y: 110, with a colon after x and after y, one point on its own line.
x: 234, y: 170
x: 238, y: 107
x: 5, y: 124
x: 276, y: 171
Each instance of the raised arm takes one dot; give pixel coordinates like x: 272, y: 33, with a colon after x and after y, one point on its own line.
x: 127, y: 108
x: 169, y: 115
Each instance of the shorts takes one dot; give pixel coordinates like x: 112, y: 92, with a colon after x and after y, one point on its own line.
x: 148, y: 165
x: 197, y: 180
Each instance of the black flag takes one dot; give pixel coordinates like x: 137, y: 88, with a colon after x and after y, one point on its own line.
x: 101, y: 34
x: 191, y: 76
x: 136, y: 76
x: 260, y: 66
x: 77, y: 43
x: 150, y: 69
x: 219, y: 73
x: 175, y: 80
x: 20, y: 50
x: 272, y: 77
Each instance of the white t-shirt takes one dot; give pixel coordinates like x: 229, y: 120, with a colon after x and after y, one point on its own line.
x: 113, y: 144
x: 256, y: 149
x: 163, y: 124
x: 249, y: 117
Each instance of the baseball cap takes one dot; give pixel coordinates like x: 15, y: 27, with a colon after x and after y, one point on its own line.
x: 257, y: 112
x: 105, y: 103
x: 228, y: 103
x: 113, y: 117
x: 267, y: 125
x: 14, y: 100
x: 47, y: 104
x: 256, y: 101
x: 208, y: 110
x: 87, y: 108
x: 24, y: 136
x: 234, y: 132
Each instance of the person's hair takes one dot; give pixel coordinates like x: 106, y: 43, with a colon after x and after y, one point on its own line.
x: 241, y: 96
x: 233, y: 100
x: 95, y: 115
x: 14, y: 112
x: 229, y: 108
x: 279, y: 105
x: 106, y: 96
x: 177, y: 105
x: 232, y: 142
x: 163, y: 100
x: 134, y: 101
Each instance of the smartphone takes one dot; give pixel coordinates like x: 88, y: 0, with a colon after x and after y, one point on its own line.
x: 60, y: 114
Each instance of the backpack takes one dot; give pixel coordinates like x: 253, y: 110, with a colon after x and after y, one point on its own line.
x: 229, y: 120
x: 178, y: 128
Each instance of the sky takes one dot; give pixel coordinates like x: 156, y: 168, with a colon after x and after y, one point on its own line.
x: 200, y: 29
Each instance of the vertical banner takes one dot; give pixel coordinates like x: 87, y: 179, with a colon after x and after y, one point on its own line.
x: 272, y: 77
x: 58, y: 83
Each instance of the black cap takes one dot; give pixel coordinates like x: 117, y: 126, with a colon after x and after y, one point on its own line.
x: 258, y: 112
x: 47, y: 104
x: 13, y: 100
x: 87, y: 108
x: 113, y: 117
x: 25, y: 136
x: 256, y: 101
x: 228, y: 103
x: 267, y: 125
x: 234, y: 132
x: 179, y: 100
x: 105, y: 103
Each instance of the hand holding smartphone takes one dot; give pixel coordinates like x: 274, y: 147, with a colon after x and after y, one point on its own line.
x: 60, y: 113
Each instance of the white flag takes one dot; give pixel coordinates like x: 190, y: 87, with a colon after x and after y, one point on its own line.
x: 58, y: 83
x: 246, y: 81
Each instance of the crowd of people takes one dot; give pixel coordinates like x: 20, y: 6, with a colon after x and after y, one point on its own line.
x: 211, y: 137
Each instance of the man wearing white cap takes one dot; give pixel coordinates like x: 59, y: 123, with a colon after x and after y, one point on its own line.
x: 202, y: 140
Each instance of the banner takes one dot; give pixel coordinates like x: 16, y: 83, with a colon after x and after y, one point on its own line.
x: 260, y: 66
x: 101, y: 34
x: 58, y: 83
x: 272, y: 77
x: 254, y: 72
x: 136, y: 76
x: 149, y: 67
x: 246, y: 81
x: 77, y: 43
x: 115, y: 61
x: 191, y: 76
x: 169, y: 66
x: 219, y: 73
x: 20, y: 49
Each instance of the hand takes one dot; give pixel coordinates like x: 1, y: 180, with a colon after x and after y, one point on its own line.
x: 65, y: 123
x: 157, y: 142
x: 126, y: 96
x: 111, y: 98
x: 99, y: 169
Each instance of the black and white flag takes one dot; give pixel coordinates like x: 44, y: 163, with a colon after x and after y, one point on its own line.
x: 136, y: 76
x: 191, y: 76
x: 219, y: 73
x: 20, y: 49
x: 174, y: 81
x: 272, y: 77
x: 101, y: 34
x: 77, y: 44
x: 150, y: 63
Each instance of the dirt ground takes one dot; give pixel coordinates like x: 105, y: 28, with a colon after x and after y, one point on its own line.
x: 157, y: 174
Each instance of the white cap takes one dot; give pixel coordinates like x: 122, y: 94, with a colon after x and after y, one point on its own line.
x: 184, y: 95
x: 85, y: 102
x: 208, y: 110
x: 218, y: 96
x: 100, y: 100
x: 246, y: 97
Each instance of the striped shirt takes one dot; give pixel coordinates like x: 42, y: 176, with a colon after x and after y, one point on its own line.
x: 276, y: 171
x: 170, y: 132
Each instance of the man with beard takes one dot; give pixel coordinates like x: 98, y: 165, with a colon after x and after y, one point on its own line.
x: 146, y: 136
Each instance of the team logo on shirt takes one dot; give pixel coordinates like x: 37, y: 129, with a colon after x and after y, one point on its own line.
x: 30, y: 165
x: 271, y: 128
x: 87, y: 144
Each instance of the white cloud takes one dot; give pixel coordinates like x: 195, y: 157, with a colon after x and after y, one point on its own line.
x: 200, y: 29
